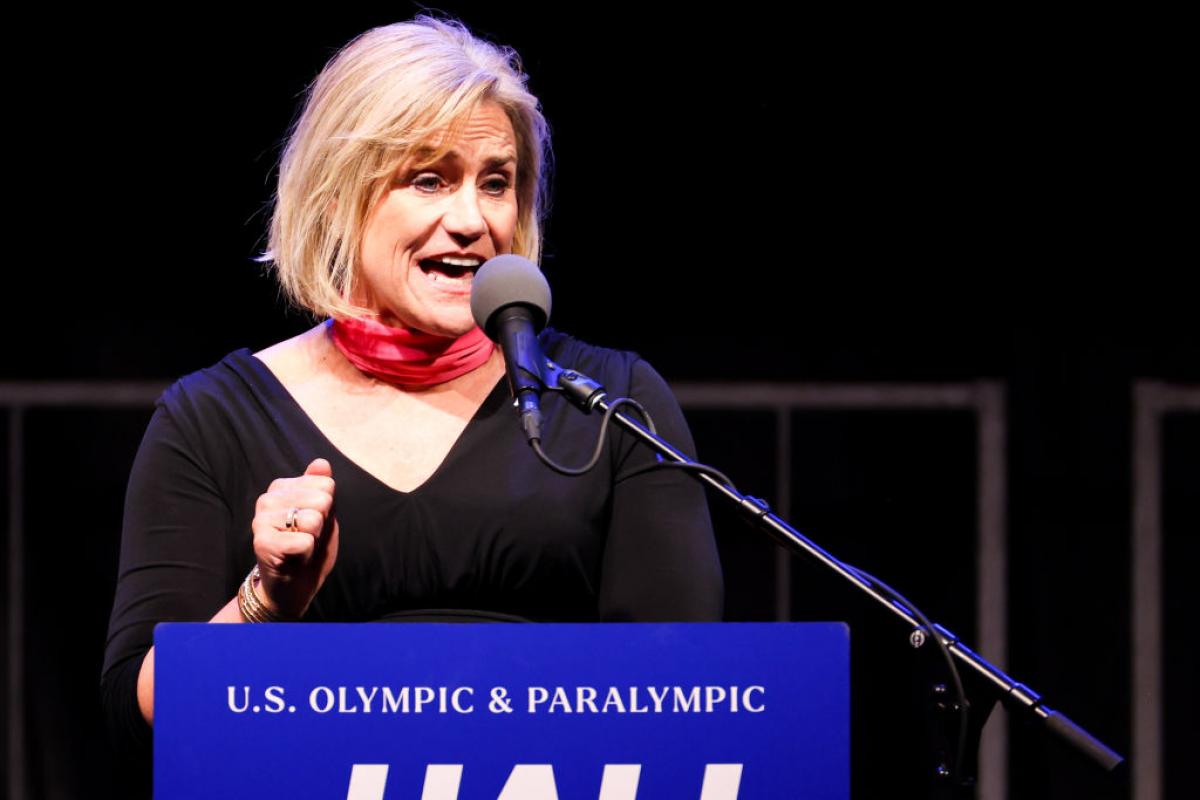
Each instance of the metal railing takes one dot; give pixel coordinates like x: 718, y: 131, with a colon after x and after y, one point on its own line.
x: 1152, y: 400
x: 986, y: 399
x: 16, y: 399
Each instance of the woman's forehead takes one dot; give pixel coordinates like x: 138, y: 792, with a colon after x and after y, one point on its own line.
x: 484, y: 134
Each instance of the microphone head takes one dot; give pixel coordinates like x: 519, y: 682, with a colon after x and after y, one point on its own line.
x: 505, y: 281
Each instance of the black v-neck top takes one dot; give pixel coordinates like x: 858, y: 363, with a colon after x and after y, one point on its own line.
x: 493, y: 533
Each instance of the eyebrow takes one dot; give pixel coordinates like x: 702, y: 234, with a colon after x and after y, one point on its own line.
x: 424, y: 156
x: 500, y: 161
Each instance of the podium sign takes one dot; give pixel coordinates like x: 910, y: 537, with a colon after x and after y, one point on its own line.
x: 745, y: 711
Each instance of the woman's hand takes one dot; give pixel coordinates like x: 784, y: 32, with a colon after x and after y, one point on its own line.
x: 293, y: 561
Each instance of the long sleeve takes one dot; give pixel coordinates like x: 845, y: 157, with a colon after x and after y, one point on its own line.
x: 660, y: 559
x: 173, y: 566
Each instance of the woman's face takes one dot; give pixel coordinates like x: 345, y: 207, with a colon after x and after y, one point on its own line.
x: 437, y: 224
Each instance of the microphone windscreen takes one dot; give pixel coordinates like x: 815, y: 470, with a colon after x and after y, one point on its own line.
x: 509, y: 280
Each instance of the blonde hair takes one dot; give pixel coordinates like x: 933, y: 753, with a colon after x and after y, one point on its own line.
x: 389, y: 91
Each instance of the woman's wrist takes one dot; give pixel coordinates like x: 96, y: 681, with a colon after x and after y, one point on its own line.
x: 253, y: 603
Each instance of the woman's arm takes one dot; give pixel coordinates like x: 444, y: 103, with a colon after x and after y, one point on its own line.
x: 175, y: 565
x: 660, y: 558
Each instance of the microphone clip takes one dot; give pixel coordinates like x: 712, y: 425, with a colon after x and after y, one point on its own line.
x: 582, y: 392
x: 545, y: 375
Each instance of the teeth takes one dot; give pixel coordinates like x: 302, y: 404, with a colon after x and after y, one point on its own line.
x: 461, y: 262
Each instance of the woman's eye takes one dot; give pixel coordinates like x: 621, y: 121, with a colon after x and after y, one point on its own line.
x: 426, y: 182
x: 497, y: 185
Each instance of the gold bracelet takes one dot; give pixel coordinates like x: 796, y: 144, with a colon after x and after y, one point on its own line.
x: 253, y: 607
x: 266, y: 609
x: 244, y: 605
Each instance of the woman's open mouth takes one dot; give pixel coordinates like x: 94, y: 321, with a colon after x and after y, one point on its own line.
x: 450, y: 267
x: 451, y: 274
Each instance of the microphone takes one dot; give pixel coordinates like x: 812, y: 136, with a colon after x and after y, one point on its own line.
x: 510, y: 301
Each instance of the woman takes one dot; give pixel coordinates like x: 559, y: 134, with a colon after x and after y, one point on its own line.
x: 397, y: 481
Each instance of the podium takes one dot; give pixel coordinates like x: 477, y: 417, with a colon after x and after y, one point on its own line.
x: 646, y: 711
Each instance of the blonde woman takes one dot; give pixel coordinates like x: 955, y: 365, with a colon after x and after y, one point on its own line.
x: 372, y: 467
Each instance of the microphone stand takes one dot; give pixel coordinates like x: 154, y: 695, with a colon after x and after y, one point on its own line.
x: 986, y: 682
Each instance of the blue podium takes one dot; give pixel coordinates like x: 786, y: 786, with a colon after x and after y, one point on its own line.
x: 746, y: 711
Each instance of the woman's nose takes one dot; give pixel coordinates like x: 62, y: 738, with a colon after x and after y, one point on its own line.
x: 464, y: 218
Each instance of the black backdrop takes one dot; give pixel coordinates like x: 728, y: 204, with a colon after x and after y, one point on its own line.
x: 740, y: 196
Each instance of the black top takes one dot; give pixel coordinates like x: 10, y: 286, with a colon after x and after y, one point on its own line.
x: 492, y: 533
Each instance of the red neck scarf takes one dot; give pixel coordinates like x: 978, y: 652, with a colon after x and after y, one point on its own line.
x: 408, y: 358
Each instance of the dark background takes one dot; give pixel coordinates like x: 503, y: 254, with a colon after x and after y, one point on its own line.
x: 740, y: 196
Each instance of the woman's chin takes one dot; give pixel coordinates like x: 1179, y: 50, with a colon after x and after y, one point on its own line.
x: 450, y: 326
